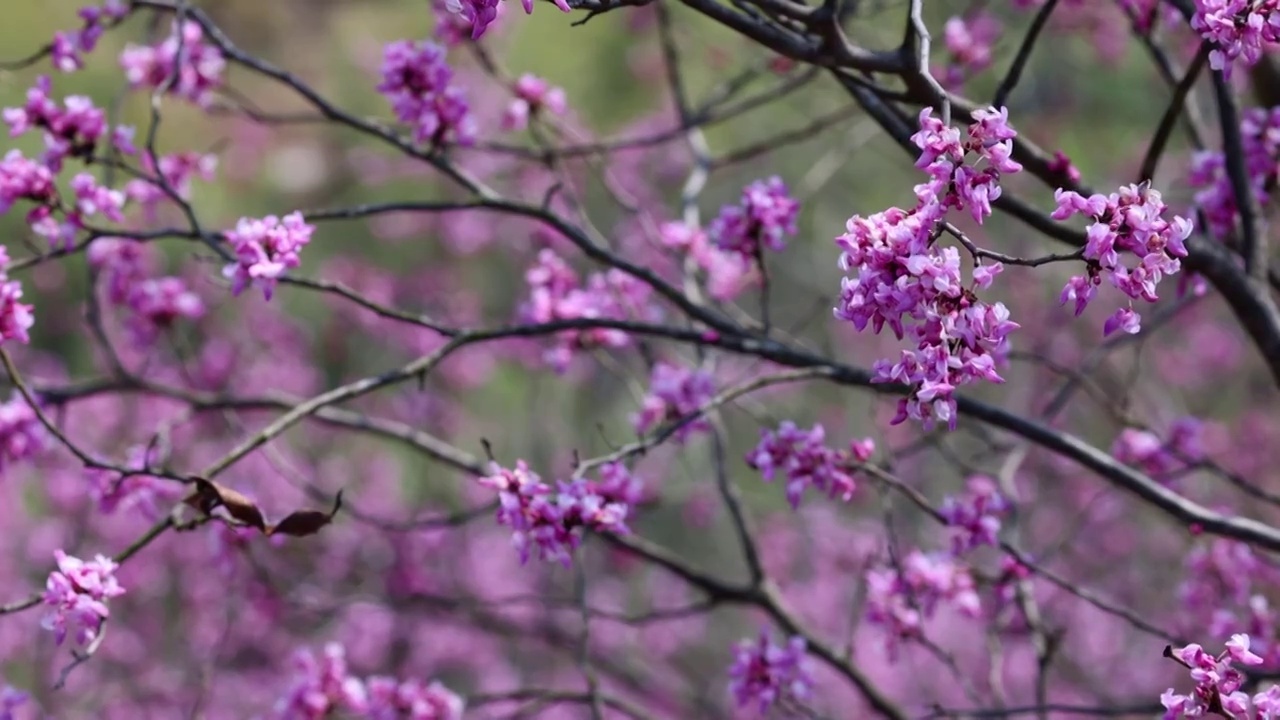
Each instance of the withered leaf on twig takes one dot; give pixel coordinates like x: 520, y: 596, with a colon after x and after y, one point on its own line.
x: 210, y: 495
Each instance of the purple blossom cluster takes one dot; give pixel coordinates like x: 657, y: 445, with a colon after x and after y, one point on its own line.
x: 805, y: 459
x: 77, y: 594
x: 152, y: 304
x: 532, y: 96
x: 1224, y: 593
x: 324, y: 687
x: 727, y: 273
x: 901, y: 596
x: 1237, y: 29
x: 765, y: 673
x: 22, y: 435
x: 177, y: 171
x: 905, y: 281
x: 151, y: 496
x: 418, y: 83
x: 69, y: 47
x: 10, y: 700
x: 199, y: 65
x: 16, y: 317
x: 975, y: 517
x: 265, y: 249
x: 1128, y: 221
x: 969, y: 43
x: 551, y: 522
x: 1260, y: 140
x: 675, y: 392
x: 556, y: 294
x: 479, y: 14
x: 763, y: 218
x: 1158, y: 458
x: 72, y: 130
x: 1218, y: 684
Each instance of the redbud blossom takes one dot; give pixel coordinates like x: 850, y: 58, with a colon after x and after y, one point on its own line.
x: 77, y: 593
x: 675, y: 392
x: 199, y: 66
x: 533, y: 94
x: 265, y: 249
x: 67, y: 48
x: 765, y: 673
x: 806, y: 461
x: 761, y: 219
x: 417, y: 82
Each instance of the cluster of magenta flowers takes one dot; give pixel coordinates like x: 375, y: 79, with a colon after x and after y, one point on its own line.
x: 418, y: 83
x: 77, y: 594
x: 151, y: 496
x: 73, y: 129
x: 1161, y: 459
x: 727, y: 273
x: 557, y: 294
x: 763, y: 218
x: 969, y: 42
x: 1260, y: 141
x: 904, y: 280
x: 69, y: 47
x: 16, y: 317
x: 765, y: 673
x: 265, y: 249
x: 1237, y: 29
x: 22, y: 435
x: 1224, y: 592
x: 1218, y: 684
x: 901, y: 596
x: 804, y: 458
x: 177, y: 170
x: 675, y: 393
x: 1128, y: 221
x: 152, y: 304
x: 10, y: 700
x: 533, y: 95
x: 324, y: 687
x: 550, y: 522
x: 975, y: 517
x: 479, y: 14
x: 200, y: 65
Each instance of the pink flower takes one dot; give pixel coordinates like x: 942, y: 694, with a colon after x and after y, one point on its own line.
x: 975, y: 517
x: 675, y: 392
x: 806, y: 461
x: 533, y: 94
x: 265, y: 249
x: 77, y: 593
x: 418, y: 83
x: 199, y: 68
x: 765, y: 673
x: 761, y: 219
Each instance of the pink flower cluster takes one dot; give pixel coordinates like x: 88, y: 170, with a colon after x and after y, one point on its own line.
x: 550, y: 522
x: 1223, y: 593
x: 1129, y: 220
x: 969, y: 44
x: 1237, y: 29
x: 1158, y: 458
x: 901, y: 598
x: 265, y: 249
x: 324, y: 687
x: 765, y: 673
x: 22, y: 436
x: 77, y: 593
x: 417, y: 82
x: 10, y: 700
x: 904, y: 280
x: 728, y: 273
x: 151, y: 496
x: 1260, y: 138
x: 1218, y: 684
x: 67, y: 47
x: 533, y: 95
x: 556, y: 294
x: 763, y: 218
x: 72, y: 130
x: 975, y: 517
x: 15, y: 316
x: 675, y: 392
x: 178, y: 170
x: 200, y: 65
x: 481, y: 13
x: 806, y: 461
x: 153, y: 304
